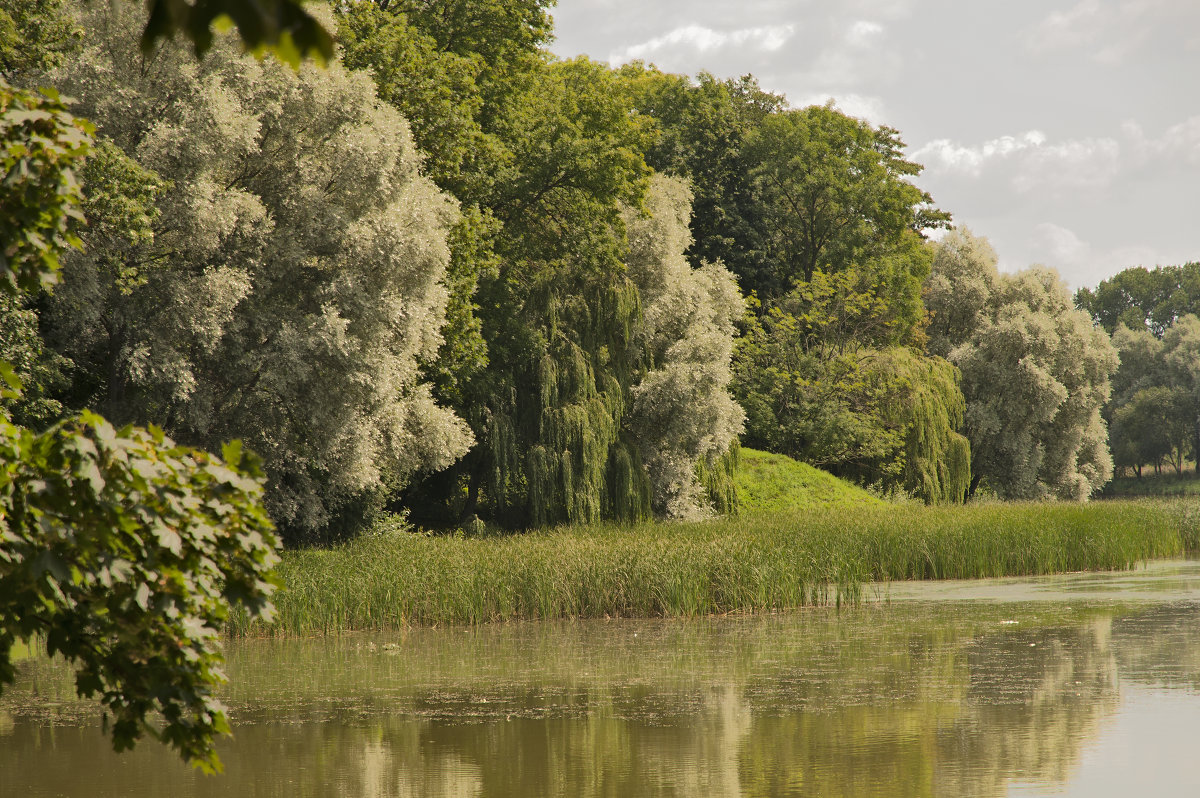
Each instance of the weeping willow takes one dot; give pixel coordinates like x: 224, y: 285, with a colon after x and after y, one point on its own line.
x: 557, y: 450
x: 716, y: 474
x: 928, y: 406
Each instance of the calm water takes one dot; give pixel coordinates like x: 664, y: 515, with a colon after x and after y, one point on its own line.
x: 1083, y: 685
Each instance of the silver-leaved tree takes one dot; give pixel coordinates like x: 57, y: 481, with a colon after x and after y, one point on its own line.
x: 277, y: 272
x: 1035, y: 372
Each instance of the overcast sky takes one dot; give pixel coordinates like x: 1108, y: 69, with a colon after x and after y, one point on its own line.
x: 1066, y: 131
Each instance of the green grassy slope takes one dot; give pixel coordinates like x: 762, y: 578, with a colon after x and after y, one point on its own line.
x: 775, y: 483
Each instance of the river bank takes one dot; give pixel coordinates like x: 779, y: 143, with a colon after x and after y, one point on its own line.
x: 394, y: 578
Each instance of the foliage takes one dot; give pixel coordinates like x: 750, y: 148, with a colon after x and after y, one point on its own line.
x: 119, y: 548
x: 280, y: 26
x: 558, y: 314
x: 1153, y: 426
x: 125, y: 552
x: 959, y: 289
x: 1141, y: 297
x: 1152, y: 410
x: 37, y: 370
x: 39, y: 143
x: 435, y: 89
x: 34, y: 35
x: 682, y: 412
x: 544, y: 156
x: 265, y: 262
x: 823, y: 407
x: 1181, y: 356
x: 1035, y: 373
x: 700, y: 128
x: 828, y: 375
x: 834, y: 192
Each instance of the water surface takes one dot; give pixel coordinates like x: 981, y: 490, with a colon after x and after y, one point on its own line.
x: 1082, y: 684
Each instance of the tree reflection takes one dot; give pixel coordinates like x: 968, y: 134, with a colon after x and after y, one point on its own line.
x: 934, y: 700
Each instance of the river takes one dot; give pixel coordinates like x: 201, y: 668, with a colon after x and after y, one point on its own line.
x: 1078, y: 685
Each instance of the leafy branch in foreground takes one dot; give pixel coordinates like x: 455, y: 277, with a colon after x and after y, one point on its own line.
x: 120, y: 549
x: 123, y: 551
x: 281, y: 26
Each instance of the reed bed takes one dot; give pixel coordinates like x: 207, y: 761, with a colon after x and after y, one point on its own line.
x: 393, y: 577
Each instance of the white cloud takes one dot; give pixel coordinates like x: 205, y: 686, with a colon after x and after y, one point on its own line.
x: 1061, y: 245
x: 853, y: 54
x: 947, y: 156
x: 863, y: 33
x: 1178, y: 143
x: 860, y: 106
x: 1111, y: 30
x: 1079, y: 163
x: 701, y: 39
x: 1032, y: 161
x: 1081, y: 25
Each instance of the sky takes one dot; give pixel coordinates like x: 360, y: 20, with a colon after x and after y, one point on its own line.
x: 1065, y: 131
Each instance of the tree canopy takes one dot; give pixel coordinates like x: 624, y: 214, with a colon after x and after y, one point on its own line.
x: 1154, y: 298
x: 265, y: 262
x: 1035, y: 373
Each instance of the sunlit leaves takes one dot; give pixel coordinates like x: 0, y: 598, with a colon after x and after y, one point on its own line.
x: 682, y: 411
x: 1035, y: 373
x: 40, y: 147
x: 266, y: 263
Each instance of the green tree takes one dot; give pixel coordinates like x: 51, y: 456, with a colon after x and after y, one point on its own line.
x: 1152, y: 426
x: 34, y: 35
x: 834, y: 192
x: 559, y: 315
x: 700, y: 131
x: 123, y: 551
x: 1140, y: 297
x: 832, y: 375
x: 1181, y: 353
x: 1035, y: 373
x: 284, y: 281
x: 1150, y: 412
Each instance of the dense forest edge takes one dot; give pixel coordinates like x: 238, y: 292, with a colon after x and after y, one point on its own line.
x: 468, y: 318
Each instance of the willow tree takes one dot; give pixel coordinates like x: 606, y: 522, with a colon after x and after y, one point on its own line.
x: 1035, y: 373
x: 683, y: 418
x: 832, y: 374
x: 288, y: 283
x: 557, y: 314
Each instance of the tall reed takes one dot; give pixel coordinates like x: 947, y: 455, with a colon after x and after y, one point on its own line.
x: 395, y: 578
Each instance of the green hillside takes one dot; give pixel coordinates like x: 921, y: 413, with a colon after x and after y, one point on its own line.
x: 777, y: 483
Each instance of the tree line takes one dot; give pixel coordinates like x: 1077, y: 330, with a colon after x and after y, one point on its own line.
x: 452, y: 275
x: 1154, y: 411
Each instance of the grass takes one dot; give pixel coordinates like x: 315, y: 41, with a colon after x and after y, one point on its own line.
x: 393, y: 578
x: 775, y: 483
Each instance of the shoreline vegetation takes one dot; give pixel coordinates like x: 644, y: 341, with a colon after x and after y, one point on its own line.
x: 394, y: 577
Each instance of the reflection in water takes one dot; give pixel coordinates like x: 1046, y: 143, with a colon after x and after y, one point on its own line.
x: 948, y: 698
